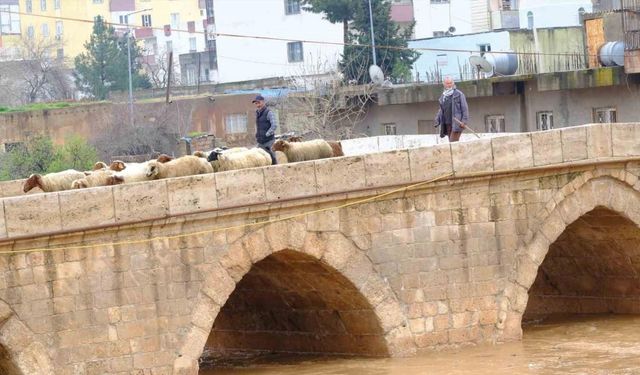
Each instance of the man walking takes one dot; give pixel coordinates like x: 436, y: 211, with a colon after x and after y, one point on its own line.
x: 266, y: 125
x: 453, y: 113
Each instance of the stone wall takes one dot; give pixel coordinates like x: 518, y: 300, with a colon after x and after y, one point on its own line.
x: 141, y: 277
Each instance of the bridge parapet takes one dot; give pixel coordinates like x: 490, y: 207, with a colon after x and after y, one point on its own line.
x: 69, y: 211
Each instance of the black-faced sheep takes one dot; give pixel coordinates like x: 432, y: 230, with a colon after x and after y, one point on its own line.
x: 52, y: 181
x: 227, y: 161
x: 183, y: 166
x: 97, y: 178
x: 302, y: 151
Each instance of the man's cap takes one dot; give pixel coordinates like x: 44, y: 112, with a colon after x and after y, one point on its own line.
x: 258, y: 98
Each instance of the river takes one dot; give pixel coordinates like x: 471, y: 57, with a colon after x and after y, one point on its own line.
x: 576, y: 345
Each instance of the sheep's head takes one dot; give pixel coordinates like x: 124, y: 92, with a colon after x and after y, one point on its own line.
x: 164, y: 158
x: 152, y: 169
x: 35, y: 180
x: 213, y: 156
x: 99, y: 166
x: 280, y: 145
x: 81, y: 183
x: 115, y: 180
x: 117, y: 165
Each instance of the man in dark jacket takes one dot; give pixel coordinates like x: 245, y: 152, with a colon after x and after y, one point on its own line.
x: 266, y: 124
x: 453, y: 114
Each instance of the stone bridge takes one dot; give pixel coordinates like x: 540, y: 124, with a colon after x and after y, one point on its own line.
x: 377, y: 255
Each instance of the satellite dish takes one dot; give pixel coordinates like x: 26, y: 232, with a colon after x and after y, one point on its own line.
x: 481, y: 64
x: 452, y: 29
x: 376, y: 74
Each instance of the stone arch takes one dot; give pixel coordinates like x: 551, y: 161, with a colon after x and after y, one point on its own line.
x: 20, y: 352
x: 332, y: 249
x: 608, y: 191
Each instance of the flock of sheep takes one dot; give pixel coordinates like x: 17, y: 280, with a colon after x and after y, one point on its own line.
x: 201, y: 162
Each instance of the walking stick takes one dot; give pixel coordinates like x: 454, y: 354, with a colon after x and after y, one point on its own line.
x: 467, y: 127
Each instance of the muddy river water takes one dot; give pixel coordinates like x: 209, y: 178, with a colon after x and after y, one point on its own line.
x: 576, y: 345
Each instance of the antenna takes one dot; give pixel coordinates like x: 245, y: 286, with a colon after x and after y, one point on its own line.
x: 376, y: 74
x: 481, y: 64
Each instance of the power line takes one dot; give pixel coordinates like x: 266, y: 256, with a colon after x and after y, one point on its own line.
x: 309, y: 41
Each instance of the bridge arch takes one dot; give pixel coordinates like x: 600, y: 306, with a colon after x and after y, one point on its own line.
x: 20, y: 352
x: 593, y: 209
x: 328, y: 257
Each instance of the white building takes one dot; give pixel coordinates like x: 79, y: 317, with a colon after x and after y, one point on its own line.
x: 250, y: 54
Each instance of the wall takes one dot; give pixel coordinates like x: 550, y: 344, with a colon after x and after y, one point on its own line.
x: 553, y: 13
x: 241, y: 59
x: 439, y: 17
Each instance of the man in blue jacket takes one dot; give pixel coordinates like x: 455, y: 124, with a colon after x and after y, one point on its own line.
x: 266, y: 124
x: 453, y: 114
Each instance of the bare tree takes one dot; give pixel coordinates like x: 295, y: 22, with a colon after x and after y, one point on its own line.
x: 323, y: 105
x: 157, y: 68
x: 42, y: 75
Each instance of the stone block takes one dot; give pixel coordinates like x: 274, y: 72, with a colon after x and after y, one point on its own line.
x: 599, y: 141
x: 289, y: 181
x: 141, y: 201
x: 14, y: 189
x: 547, y: 147
x: 430, y: 162
x: 388, y: 168
x: 87, y: 207
x: 512, y: 152
x: 32, y: 214
x: 192, y: 193
x: 472, y: 157
x: 339, y: 175
x: 241, y: 187
x: 3, y: 227
x: 574, y: 143
x: 625, y: 138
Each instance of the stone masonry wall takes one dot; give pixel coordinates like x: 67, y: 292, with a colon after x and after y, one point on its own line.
x: 446, y: 263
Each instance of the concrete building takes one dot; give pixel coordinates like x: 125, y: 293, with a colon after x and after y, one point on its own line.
x: 251, y: 54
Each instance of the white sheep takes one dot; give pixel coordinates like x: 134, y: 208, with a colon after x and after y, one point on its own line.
x: 52, y: 181
x: 135, y: 172
x: 255, y: 157
x: 301, y: 151
x: 183, y: 166
x: 205, y: 154
x: 97, y: 178
x: 281, y: 157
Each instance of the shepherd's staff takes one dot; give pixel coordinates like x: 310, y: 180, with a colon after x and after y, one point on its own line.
x: 466, y: 127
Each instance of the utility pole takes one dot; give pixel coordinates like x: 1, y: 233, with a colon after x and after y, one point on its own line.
x: 129, y: 62
x: 373, y: 38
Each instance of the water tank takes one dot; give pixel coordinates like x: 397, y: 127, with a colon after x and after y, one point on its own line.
x: 504, y: 64
x: 612, y: 54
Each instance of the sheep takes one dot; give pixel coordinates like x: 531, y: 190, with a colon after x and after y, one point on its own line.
x: 183, y: 166
x: 255, y: 157
x: 135, y: 172
x: 301, y: 151
x: 100, y: 166
x: 336, y: 147
x: 281, y: 157
x: 52, y: 181
x: 98, y: 178
x: 205, y: 154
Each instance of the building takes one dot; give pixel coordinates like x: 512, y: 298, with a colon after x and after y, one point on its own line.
x: 271, y: 38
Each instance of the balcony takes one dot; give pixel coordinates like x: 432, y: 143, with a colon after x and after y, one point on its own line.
x: 122, y: 5
x: 505, y: 19
x: 144, y: 33
x: 402, y: 13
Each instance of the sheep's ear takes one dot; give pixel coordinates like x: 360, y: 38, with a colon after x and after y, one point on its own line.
x: 117, y: 165
x: 87, y: 173
x: 163, y: 158
x: 115, y: 180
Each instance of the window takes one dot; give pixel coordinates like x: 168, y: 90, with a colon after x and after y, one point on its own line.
x: 97, y: 1
x: 43, y: 5
x: 29, y: 6
x: 494, y: 124
x: 484, y: 48
x: 442, y: 59
x: 56, y: 4
x: 175, y: 21
x: 294, y: 52
x: 236, y: 123
x: 146, y: 20
x: 192, y: 44
x: 545, y: 120
x: 30, y: 32
x: 604, y: 115
x: 45, y: 30
x: 530, y: 20
x: 9, y: 22
x: 439, y: 1
x: 509, y: 4
x: 123, y: 20
x: 291, y: 6
x: 390, y: 128
x: 58, y: 29
x: 169, y: 46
